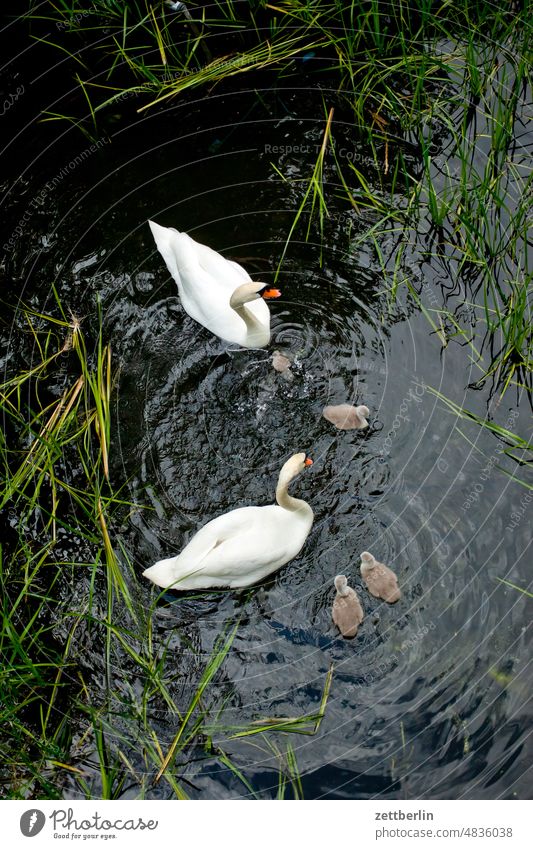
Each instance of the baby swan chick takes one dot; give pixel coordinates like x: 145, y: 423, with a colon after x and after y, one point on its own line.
x: 282, y: 365
x: 346, y: 416
x: 280, y: 362
x: 381, y: 581
x: 347, y: 612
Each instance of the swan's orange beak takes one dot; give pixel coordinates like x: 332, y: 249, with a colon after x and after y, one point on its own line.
x: 271, y: 293
x: 308, y: 461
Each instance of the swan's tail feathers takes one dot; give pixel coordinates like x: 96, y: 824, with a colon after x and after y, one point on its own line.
x: 161, y: 234
x: 166, y: 575
x: 173, y: 246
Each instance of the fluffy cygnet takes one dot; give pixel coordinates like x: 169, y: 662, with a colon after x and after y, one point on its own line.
x: 347, y: 612
x: 280, y: 362
x: 346, y: 416
x: 379, y: 579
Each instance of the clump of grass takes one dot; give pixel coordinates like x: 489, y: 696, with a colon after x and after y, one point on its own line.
x: 76, y: 423
x: 313, y: 193
x: 380, y: 55
x: 472, y: 214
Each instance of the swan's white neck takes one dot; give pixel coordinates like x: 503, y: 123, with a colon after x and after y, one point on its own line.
x: 254, y: 328
x: 288, y: 502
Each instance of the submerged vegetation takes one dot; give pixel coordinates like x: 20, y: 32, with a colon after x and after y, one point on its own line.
x: 432, y: 91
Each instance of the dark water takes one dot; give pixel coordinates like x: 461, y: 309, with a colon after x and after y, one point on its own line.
x: 431, y: 699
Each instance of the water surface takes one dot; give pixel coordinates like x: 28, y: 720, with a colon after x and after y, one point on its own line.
x: 430, y: 700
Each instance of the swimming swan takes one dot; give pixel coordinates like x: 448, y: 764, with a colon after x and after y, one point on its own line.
x: 243, y: 546
x: 347, y: 612
x: 215, y: 291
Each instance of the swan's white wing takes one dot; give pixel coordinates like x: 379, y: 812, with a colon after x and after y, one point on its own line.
x: 255, y: 542
x: 216, y: 532
x: 181, y: 255
x: 244, y: 274
x: 203, y: 276
x: 224, y: 271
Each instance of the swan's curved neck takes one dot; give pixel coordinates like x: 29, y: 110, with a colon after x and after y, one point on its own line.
x: 253, y: 326
x: 288, y: 502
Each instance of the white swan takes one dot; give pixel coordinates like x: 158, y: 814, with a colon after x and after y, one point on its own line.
x: 243, y: 546
x: 216, y: 292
